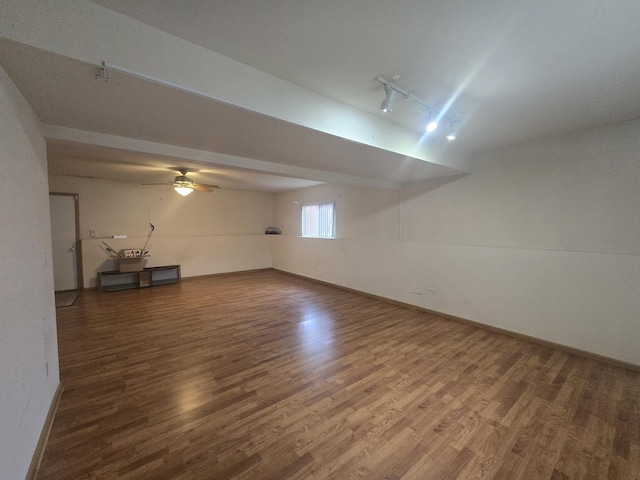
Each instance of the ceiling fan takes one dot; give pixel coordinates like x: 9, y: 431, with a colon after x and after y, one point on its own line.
x: 184, y: 185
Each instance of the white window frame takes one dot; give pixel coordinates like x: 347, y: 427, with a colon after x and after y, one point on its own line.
x: 311, y: 224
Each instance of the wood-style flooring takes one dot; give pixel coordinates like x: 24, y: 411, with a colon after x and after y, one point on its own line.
x: 262, y: 375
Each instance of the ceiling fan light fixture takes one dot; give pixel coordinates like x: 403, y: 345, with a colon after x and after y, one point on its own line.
x: 184, y: 185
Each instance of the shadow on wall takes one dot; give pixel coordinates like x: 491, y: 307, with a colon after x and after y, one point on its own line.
x: 108, y: 265
x: 415, y: 189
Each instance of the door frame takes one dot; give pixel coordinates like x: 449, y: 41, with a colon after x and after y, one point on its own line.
x: 76, y: 205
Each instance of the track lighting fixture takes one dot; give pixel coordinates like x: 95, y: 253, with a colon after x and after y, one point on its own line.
x: 453, y: 132
x: 387, y: 103
x: 393, y: 91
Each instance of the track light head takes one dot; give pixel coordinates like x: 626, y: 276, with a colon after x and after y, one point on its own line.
x: 387, y: 103
x: 432, y: 126
x: 453, y: 131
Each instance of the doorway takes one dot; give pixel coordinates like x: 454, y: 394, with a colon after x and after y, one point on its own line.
x: 65, y: 238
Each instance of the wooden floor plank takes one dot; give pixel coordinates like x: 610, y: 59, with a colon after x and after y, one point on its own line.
x: 261, y: 375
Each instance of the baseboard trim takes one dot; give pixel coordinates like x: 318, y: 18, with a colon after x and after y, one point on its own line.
x: 32, y: 473
x: 521, y: 336
x: 224, y: 274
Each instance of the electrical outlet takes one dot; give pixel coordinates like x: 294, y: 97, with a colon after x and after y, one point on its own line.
x: 432, y: 291
x: 92, y: 233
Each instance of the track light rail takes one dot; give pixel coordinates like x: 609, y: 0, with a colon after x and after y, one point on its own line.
x: 392, y: 90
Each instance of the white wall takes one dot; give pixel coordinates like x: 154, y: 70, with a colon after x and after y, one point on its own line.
x: 27, y: 318
x: 542, y: 239
x: 362, y: 212
x: 205, y: 233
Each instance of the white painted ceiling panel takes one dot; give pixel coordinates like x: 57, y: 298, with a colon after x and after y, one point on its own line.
x: 514, y: 69
x: 68, y: 93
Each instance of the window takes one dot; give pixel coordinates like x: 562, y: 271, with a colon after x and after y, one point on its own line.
x: 319, y: 220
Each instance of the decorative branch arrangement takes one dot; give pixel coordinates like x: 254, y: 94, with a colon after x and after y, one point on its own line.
x: 129, y: 253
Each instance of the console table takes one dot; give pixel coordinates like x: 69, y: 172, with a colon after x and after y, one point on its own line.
x: 149, y: 277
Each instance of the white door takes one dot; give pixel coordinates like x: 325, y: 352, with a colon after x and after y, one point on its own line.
x: 63, y: 236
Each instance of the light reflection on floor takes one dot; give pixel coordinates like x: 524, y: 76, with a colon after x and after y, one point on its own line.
x: 316, y: 333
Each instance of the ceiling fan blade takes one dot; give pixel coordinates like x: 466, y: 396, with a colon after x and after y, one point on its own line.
x: 200, y: 188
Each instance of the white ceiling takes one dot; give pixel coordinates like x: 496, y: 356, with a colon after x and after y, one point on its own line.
x: 90, y: 161
x: 513, y: 70
x: 67, y: 93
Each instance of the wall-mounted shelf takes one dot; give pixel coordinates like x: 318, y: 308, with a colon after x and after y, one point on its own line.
x: 114, y: 280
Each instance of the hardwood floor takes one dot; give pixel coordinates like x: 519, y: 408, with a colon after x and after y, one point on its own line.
x: 266, y: 376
